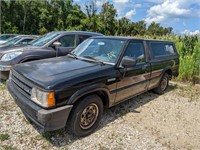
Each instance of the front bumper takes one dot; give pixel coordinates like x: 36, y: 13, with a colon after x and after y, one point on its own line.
x: 50, y: 120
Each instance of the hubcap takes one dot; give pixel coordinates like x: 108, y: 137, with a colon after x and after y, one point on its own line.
x: 89, y: 116
x: 164, y: 84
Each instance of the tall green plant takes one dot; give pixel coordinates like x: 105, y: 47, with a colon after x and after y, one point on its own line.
x: 189, y: 52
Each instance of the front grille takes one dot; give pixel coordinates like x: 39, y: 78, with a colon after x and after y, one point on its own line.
x: 21, y: 84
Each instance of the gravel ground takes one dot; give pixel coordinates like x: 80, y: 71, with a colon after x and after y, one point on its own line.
x: 149, y: 121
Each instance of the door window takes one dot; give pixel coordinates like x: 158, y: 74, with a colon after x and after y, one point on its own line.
x: 25, y: 41
x: 136, y: 51
x: 67, y: 41
x: 83, y: 38
x: 162, y: 49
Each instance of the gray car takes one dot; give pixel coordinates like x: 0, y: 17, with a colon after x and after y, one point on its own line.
x: 18, y: 40
x: 52, y: 44
x: 5, y: 37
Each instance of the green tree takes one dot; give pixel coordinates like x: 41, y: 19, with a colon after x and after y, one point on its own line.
x: 156, y: 29
x: 60, y: 10
x: 74, y: 18
x: 140, y: 28
x: 42, y: 16
x: 92, y: 21
x: 107, y: 17
x: 123, y: 26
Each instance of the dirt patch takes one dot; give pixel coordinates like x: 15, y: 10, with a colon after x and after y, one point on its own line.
x: 149, y: 121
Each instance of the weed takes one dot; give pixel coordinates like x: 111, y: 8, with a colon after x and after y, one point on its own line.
x: 2, y: 86
x: 190, y: 92
x: 4, y: 137
x: 5, y: 147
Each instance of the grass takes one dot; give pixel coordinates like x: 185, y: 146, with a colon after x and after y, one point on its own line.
x: 2, y: 86
x: 25, y: 120
x: 4, y: 137
x: 189, y: 52
x: 190, y: 92
x: 4, y: 107
x: 48, y: 136
x: 5, y: 147
x: 38, y: 137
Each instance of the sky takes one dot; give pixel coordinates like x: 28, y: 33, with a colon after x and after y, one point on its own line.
x: 182, y: 15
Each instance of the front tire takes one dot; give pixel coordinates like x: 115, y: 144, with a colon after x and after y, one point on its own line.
x: 85, y: 116
x: 163, y: 85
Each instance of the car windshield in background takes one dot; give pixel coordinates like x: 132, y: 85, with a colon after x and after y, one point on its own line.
x: 12, y: 41
x: 44, y: 39
x: 5, y: 37
x: 105, y: 50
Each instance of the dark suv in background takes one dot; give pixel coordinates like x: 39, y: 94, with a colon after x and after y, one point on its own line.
x: 53, y: 44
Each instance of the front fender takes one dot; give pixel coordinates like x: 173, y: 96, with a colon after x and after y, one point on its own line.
x: 29, y: 58
x: 87, y: 90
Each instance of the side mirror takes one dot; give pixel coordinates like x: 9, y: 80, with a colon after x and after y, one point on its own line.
x: 128, y: 62
x: 56, y: 44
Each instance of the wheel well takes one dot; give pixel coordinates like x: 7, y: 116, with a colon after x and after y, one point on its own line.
x: 169, y: 72
x: 102, y: 94
x: 28, y: 60
x: 104, y: 97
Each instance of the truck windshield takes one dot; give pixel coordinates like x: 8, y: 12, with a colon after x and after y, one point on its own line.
x: 105, y: 50
x: 44, y: 39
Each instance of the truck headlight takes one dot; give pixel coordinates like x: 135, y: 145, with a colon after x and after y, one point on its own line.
x: 45, y: 99
x: 10, y: 56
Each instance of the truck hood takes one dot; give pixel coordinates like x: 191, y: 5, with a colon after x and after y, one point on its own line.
x: 17, y: 48
x: 49, y: 73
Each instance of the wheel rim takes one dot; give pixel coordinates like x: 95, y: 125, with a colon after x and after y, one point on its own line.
x: 89, y: 116
x: 164, y: 84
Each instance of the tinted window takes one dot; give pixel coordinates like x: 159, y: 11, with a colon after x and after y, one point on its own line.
x: 67, y: 41
x: 45, y: 39
x: 162, y: 49
x: 83, y: 38
x: 135, y: 50
x: 25, y: 41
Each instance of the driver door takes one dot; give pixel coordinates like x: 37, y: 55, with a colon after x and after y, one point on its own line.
x: 134, y: 80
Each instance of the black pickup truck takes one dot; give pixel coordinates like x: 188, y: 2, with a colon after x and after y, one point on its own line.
x: 101, y: 72
x: 52, y: 44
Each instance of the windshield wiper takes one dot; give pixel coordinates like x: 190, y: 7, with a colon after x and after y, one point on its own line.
x: 90, y: 57
x: 74, y: 55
